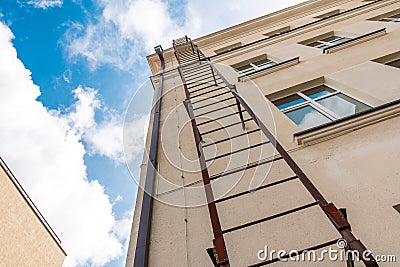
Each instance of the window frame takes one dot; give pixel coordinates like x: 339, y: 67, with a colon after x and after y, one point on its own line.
x: 312, y: 102
x: 331, y: 43
x: 391, y: 63
x: 391, y: 18
x: 253, y: 68
x: 352, y: 39
x: 387, y: 17
x: 388, y: 59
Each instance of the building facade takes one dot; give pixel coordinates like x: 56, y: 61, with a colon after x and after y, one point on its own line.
x: 26, y: 239
x: 280, y: 134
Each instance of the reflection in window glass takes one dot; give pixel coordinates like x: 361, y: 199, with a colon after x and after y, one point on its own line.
x: 393, y: 18
x: 329, y: 41
x: 395, y: 63
x: 288, y: 101
x: 255, y: 66
x: 314, y: 44
x: 307, y: 117
x: 265, y: 63
x: 343, y: 105
x: 333, y: 40
x: 318, y: 91
x: 246, y: 69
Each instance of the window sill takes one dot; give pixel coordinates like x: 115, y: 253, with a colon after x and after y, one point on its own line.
x: 276, y: 67
x: 355, y: 41
x: 347, y: 124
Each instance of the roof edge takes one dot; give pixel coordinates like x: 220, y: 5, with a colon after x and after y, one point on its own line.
x: 30, y: 203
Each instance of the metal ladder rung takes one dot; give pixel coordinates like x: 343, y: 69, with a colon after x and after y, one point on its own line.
x: 256, y: 189
x: 200, y: 78
x: 216, y: 119
x: 218, y: 85
x: 198, y: 72
x: 238, y: 151
x: 187, y: 52
x: 270, y: 217
x: 200, y: 65
x: 187, y: 55
x: 201, y: 83
x: 214, y: 110
x: 230, y: 138
x: 214, y: 103
x: 207, y: 98
x: 217, y: 89
x: 245, y: 167
x: 221, y: 128
x: 189, y: 59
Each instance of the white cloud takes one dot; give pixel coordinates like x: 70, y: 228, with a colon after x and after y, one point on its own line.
x: 128, y: 28
x: 106, y: 140
x: 103, y: 138
x: 102, y: 43
x: 228, y: 13
x: 47, y: 156
x: 45, y: 4
x: 123, y: 228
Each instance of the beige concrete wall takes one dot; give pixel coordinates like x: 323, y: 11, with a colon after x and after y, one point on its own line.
x: 357, y: 169
x: 24, y: 240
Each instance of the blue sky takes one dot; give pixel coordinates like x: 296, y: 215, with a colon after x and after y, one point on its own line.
x: 87, y: 58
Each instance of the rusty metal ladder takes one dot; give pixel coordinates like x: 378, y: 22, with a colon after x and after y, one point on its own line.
x: 202, y: 81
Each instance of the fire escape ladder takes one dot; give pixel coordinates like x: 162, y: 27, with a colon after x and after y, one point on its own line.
x: 202, y: 81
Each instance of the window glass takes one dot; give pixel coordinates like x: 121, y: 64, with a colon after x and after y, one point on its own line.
x: 330, y: 39
x: 395, y: 63
x: 318, y: 105
x: 343, y: 105
x: 255, y: 66
x: 314, y: 44
x: 341, y: 40
x: 318, y: 91
x: 397, y: 207
x: 246, y: 69
x: 261, y: 62
x: 307, y: 117
x: 288, y: 101
x: 265, y: 63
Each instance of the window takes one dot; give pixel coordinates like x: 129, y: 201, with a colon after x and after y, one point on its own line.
x: 336, y: 40
x: 253, y: 65
x: 392, y: 60
x: 329, y: 41
x: 392, y: 18
x: 318, y: 105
